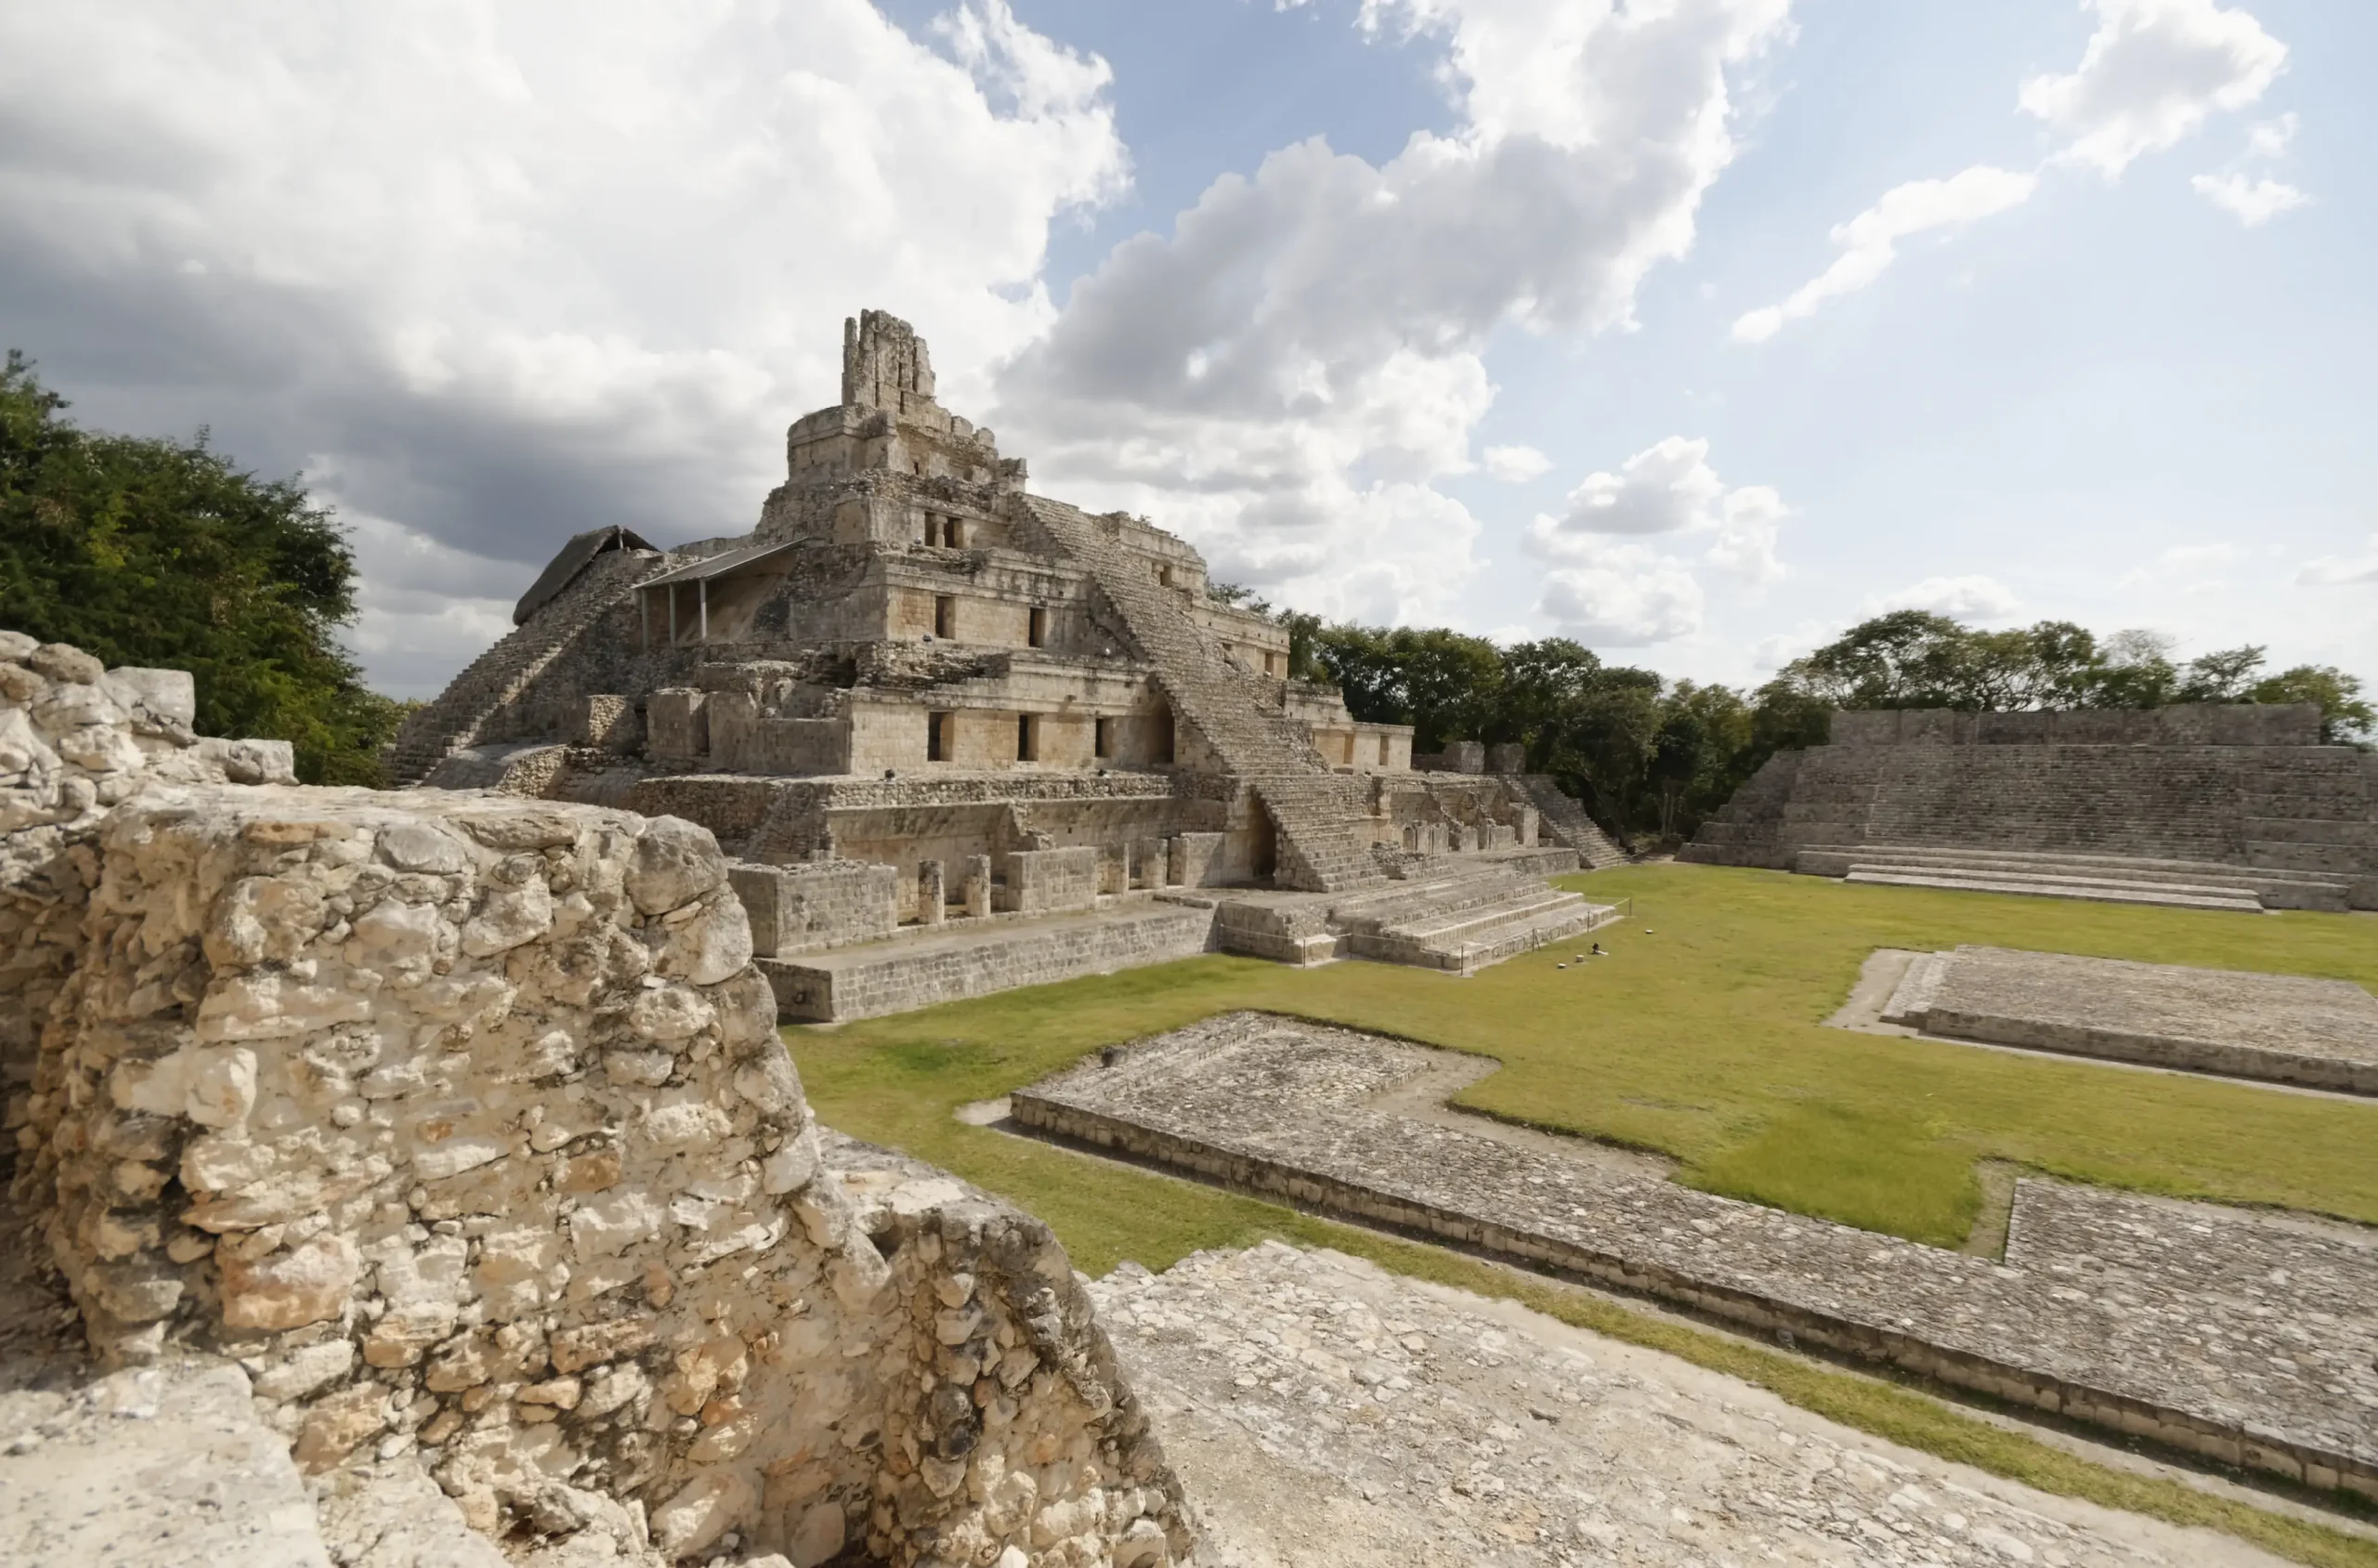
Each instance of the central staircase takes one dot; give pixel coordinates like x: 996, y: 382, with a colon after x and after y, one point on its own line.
x: 1312, y: 810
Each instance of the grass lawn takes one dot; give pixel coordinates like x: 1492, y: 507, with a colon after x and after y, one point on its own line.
x: 1704, y: 1041
x: 1702, y: 1038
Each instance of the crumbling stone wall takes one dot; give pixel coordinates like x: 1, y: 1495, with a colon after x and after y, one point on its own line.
x: 460, y: 1121
x: 75, y: 740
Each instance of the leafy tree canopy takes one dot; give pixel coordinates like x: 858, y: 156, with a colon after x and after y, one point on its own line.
x: 1654, y: 757
x: 165, y: 553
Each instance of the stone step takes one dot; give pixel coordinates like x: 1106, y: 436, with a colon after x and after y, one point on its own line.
x: 2280, y: 888
x: 1466, y: 957
x: 1401, y: 901
x: 1477, y: 923
x: 2043, y: 887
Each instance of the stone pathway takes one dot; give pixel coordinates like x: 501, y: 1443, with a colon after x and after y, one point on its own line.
x: 1330, y: 1414
x: 2249, y: 1335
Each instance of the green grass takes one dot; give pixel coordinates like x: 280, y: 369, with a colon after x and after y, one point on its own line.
x: 1703, y: 1041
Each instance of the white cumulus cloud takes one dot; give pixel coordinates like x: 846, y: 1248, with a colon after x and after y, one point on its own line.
x: 1627, y: 596
x: 1668, y: 486
x: 2252, y: 197
x: 1287, y: 375
x: 1611, y: 586
x: 514, y: 271
x: 1517, y: 466
x: 2153, y: 73
x: 1969, y: 597
x: 1869, y: 242
x: 2329, y: 571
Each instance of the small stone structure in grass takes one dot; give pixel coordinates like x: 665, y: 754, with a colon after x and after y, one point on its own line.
x: 461, y: 1124
x: 2289, y: 1029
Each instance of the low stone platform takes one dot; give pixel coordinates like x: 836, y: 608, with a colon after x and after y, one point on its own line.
x: 1330, y: 1414
x: 2248, y: 1337
x: 925, y: 965
x: 1459, y: 914
x: 2104, y: 879
x: 2287, y: 1028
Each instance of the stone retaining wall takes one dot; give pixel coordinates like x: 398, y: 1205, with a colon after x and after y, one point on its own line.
x: 461, y: 1123
x: 948, y: 965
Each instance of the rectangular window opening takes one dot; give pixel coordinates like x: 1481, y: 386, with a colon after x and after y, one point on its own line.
x: 1382, y: 750
x: 1102, y: 739
x: 1035, y: 630
x: 945, y: 615
x: 953, y: 533
x: 1027, y: 737
x: 936, y: 737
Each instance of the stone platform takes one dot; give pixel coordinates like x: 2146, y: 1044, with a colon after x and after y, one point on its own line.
x: 1455, y: 913
x: 932, y: 964
x: 2102, y: 879
x: 1332, y: 1415
x: 1459, y: 914
x: 2287, y: 1028
x: 2248, y: 1337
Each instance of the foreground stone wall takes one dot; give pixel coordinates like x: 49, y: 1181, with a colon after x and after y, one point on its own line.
x: 461, y: 1123
x: 75, y: 740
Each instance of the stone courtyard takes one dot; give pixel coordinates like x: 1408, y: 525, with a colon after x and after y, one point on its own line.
x: 1336, y: 1416
x: 2248, y: 1337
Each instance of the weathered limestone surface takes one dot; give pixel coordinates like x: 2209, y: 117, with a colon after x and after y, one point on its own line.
x: 1334, y: 1416
x: 2236, y: 799
x: 461, y: 1124
x: 2247, y: 1336
x: 2289, y: 1029
x: 75, y: 740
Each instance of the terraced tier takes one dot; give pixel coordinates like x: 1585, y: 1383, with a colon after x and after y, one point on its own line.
x: 2101, y: 877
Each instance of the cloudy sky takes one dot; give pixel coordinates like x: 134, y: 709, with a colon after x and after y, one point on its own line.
x: 1694, y: 328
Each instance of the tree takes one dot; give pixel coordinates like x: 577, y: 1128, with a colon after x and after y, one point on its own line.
x: 165, y: 553
x: 2223, y: 676
x: 2345, y: 719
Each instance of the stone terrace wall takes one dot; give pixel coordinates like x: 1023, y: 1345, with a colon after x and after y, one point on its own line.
x: 75, y: 740
x: 2243, y: 785
x: 2192, y: 724
x: 462, y: 1122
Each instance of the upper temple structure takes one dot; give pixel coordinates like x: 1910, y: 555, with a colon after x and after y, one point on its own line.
x: 919, y: 696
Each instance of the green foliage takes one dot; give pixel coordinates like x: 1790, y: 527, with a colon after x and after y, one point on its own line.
x: 1655, y: 758
x: 165, y: 553
x: 2346, y: 718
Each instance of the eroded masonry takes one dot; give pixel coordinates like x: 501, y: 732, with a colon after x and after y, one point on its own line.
x: 920, y: 704
x: 455, y: 1128
x: 2205, y: 805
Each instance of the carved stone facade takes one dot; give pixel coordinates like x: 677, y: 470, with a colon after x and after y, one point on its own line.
x: 913, y: 662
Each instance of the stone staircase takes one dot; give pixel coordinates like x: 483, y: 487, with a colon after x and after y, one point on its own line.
x: 459, y: 718
x: 1234, y: 715
x: 1560, y: 818
x: 1746, y: 830
x: 1461, y: 922
x: 2193, y: 884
